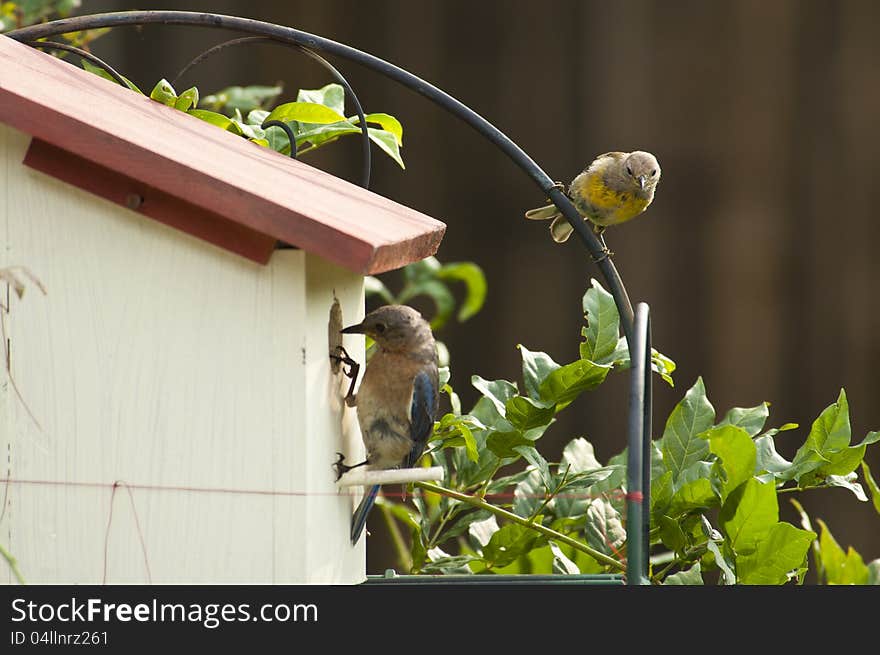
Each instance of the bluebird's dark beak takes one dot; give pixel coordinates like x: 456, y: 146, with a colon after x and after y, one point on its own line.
x: 353, y: 329
x: 641, y: 179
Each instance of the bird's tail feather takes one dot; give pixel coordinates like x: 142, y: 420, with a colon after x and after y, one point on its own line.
x: 359, y: 520
x: 560, y: 229
x: 544, y: 213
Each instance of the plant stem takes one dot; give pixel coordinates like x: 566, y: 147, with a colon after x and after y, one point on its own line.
x: 13, y: 564
x: 403, y: 555
x: 553, y: 534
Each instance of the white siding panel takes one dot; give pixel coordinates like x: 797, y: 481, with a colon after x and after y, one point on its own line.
x: 179, y: 369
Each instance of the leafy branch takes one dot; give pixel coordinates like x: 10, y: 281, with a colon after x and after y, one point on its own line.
x: 715, y: 483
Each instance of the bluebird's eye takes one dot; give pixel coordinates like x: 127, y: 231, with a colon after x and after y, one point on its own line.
x: 654, y: 172
x: 629, y: 170
x: 380, y: 327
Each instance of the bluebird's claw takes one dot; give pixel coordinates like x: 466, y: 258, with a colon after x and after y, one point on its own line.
x: 342, y: 468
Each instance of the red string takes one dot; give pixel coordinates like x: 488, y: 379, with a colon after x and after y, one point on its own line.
x: 614, y: 493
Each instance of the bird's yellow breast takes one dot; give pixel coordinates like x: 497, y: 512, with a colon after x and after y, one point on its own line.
x: 603, y: 205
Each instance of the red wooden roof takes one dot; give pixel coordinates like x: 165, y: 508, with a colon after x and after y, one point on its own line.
x: 208, y: 182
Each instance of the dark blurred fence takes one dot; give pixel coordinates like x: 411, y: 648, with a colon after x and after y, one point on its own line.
x: 759, y: 254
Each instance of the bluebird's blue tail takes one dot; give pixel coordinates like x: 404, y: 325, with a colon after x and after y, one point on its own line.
x: 359, y: 520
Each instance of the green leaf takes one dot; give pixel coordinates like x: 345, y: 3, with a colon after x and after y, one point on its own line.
x: 566, y: 383
x: 498, y: 392
x: 660, y: 363
x: 498, y: 485
x: 748, y: 514
x: 417, y: 550
x: 529, y: 494
x: 847, y: 460
x: 475, y: 286
x: 782, y: 550
x: 847, y: 482
x: 163, y: 92
x: 737, y: 453
x: 874, y: 572
x: 385, y: 121
x: 481, y: 531
x: 463, y: 436
x: 449, y: 565
x: 829, y: 434
x: 187, y: 100
x: 662, y: 366
x: 533, y: 457
x: 100, y: 72
x: 509, y: 543
x: 503, y: 444
x: 671, y: 534
x: 257, y: 117
x: 661, y: 494
x: 304, y: 112
x: 750, y: 419
x: 213, y: 118
x: 242, y: 98
x: 681, y: 444
x: 840, y: 567
x: 693, y: 489
x: 526, y: 414
x: 604, y: 528
x: 463, y: 522
x: 536, y: 367
x: 768, y: 459
x: 872, y: 486
x: 331, y: 95
x: 692, y: 576
x: 387, y: 142
x: 728, y: 577
x: 574, y: 497
x: 814, y: 545
x: 561, y: 563
x: 580, y: 457
x: 248, y: 131
x: 603, y: 324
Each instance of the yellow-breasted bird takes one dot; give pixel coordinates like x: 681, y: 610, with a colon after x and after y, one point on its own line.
x: 615, y: 188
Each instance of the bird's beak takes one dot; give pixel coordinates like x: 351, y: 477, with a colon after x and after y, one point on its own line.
x: 641, y: 179
x: 353, y: 329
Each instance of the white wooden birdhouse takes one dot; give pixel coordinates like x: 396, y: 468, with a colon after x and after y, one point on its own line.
x: 168, y: 409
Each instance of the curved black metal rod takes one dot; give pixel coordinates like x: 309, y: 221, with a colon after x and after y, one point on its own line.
x: 287, y: 130
x: 443, y: 99
x: 349, y: 92
x: 85, y: 54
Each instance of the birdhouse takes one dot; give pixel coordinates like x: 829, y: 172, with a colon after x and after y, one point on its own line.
x: 169, y: 412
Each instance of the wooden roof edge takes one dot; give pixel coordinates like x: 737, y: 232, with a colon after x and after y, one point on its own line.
x: 277, y: 197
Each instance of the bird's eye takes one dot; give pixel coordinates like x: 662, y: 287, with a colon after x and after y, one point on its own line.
x: 380, y: 327
x: 654, y: 172
x: 629, y: 170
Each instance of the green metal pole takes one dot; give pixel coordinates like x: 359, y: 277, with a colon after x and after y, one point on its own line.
x: 636, y: 535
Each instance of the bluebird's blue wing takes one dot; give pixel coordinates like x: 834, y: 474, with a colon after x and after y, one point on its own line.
x: 422, y: 412
x: 359, y: 519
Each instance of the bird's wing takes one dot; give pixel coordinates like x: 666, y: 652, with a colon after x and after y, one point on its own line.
x: 422, y: 412
x: 542, y: 213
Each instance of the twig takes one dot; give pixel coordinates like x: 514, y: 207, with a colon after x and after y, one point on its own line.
x: 403, y: 556
x: 553, y: 534
x: 13, y: 564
